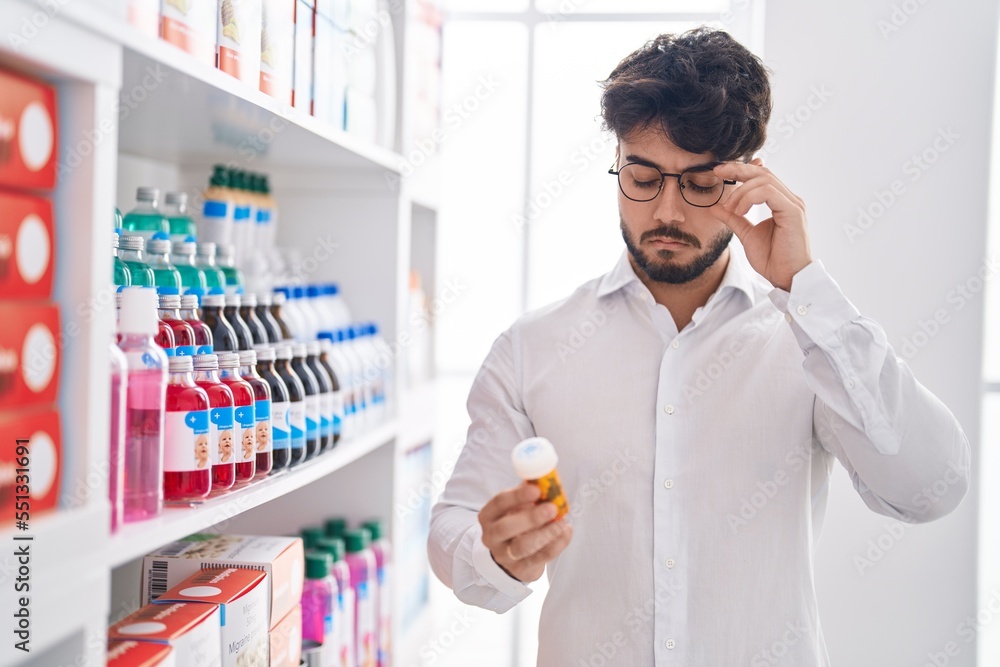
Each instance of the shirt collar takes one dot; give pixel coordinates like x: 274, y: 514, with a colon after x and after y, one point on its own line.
x: 739, y: 275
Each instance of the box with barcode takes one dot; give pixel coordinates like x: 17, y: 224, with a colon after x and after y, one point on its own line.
x: 280, y: 557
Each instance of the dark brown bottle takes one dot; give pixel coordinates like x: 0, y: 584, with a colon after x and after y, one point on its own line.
x: 223, y: 336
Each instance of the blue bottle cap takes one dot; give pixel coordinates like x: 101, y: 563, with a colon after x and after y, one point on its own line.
x: 167, y: 289
x: 187, y: 239
x: 334, y: 289
x: 216, y: 290
x: 298, y: 292
x: 351, y: 333
x: 283, y: 290
x: 161, y: 236
x: 329, y: 335
x: 313, y: 291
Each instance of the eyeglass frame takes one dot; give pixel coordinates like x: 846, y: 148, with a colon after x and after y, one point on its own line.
x: 663, y: 177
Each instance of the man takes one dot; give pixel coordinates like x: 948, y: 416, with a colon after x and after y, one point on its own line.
x: 697, y: 395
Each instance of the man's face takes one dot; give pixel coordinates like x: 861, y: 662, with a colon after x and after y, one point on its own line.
x: 667, y: 238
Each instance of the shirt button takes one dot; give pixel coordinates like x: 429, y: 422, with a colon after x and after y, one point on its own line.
x: 669, y: 643
x: 669, y: 409
x: 668, y: 483
x: 788, y: 317
x: 850, y: 384
x: 669, y: 563
x: 675, y: 344
x: 801, y: 310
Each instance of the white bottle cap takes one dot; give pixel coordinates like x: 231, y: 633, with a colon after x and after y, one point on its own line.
x: 534, y: 458
x: 138, y: 313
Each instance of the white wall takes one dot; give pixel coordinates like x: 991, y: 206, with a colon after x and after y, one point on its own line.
x: 890, y: 91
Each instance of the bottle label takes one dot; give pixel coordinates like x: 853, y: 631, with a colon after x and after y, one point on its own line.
x: 184, y: 350
x: 337, y: 412
x: 280, y: 429
x: 262, y: 416
x: 326, y: 414
x: 366, y: 629
x: 204, y: 349
x: 244, y: 416
x: 215, y: 208
x: 349, y: 610
x: 186, y: 441
x: 312, y: 417
x: 297, y: 423
x: 221, y: 435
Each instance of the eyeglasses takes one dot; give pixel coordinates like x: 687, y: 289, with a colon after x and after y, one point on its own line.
x: 699, y: 186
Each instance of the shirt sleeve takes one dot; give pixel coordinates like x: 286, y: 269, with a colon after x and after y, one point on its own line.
x: 904, y: 450
x: 455, y: 546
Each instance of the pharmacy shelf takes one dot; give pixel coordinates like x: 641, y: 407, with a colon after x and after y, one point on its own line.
x: 176, y: 109
x: 137, y: 539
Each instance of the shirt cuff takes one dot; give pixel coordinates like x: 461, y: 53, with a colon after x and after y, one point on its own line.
x: 815, y: 308
x: 492, y: 573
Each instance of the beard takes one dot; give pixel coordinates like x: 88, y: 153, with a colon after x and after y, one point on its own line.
x: 659, y: 267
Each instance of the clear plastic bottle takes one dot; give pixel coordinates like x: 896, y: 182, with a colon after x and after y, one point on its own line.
x: 146, y: 218
x: 343, y: 617
x: 204, y: 259
x: 187, y: 462
x: 326, y: 403
x: 158, y: 259
x: 189, y: 313
x: 144, y: 404
x: 165, y: 338
x: 385, y: 360
x: 169, y: 313
x: 244, y: 339
x: 372, y: 371
x: 116, y: 459
x: 131, y: 250
x: 339, y: 306
x: 221, y: 441
x: 383, y: 604
x: 281, y: 436
x: 296, y: 403
x: 312, y: 398
x: 224, y: 258
x: 317, y: 599
x: 120, y: 275
x: 182, y: 256
x: 362, y: 389
x: 244, y: 422
x: 178, y: 219
x: 361, y: 561
x: 261, y: 412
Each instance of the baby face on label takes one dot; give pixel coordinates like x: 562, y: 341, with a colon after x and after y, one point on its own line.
x: 225, y: 446
x: 263, y: 436
x: 247, y: 443
x: 201, y: 450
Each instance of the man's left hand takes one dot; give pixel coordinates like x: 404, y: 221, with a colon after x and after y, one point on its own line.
x: 778, y: 247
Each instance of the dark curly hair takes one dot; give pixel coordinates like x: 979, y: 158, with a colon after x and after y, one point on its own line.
x: 705, y: 89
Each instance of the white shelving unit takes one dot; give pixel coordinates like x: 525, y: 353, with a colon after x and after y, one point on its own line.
x: 134, y: 110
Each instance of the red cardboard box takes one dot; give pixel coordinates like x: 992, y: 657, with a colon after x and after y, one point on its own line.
x: 191, y: 629
x: 27, y: 247
x: 28, y: 133
x: 34, y: 437
x: 139, y: 654
x: 29, y: 354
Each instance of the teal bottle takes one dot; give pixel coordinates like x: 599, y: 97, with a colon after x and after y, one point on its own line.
x: 180, y: 222
x: 227, y: 262
x: 158, y: 259
x: 121, y: 274
x: 205, y: 260
x: 131, y: 251
x: 145, y: 219
x: 182, y: 258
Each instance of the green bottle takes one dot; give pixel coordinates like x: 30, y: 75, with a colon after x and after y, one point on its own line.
x: 180, y: 222
x: 205, y: 260
x: 234, y: 277
x: 121, y: 274
x: 145, y: 219
x: 119, y: 220
x: 130, y: 250
x: 183, y: 260
x: 158, y: 259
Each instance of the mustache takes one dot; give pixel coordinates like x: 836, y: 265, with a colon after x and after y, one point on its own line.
x: 670, y: 233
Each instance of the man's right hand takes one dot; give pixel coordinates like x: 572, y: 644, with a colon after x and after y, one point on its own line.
x: 521, y: 535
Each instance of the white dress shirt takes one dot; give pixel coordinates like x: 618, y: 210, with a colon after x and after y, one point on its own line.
x: 696, y: 464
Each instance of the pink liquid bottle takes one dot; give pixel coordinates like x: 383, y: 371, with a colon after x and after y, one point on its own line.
x: 221, y: 440
x: 187, y: 471
x: 261, y: 412
x: 189, y: 313
x: 383, y: 601
x: 169, y: 313
x: 245, y: 445
x: 317, y: 600
x: 116, y: 458
x: 361, y: 562
x: 145, y: 400
x: 343, y: 617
